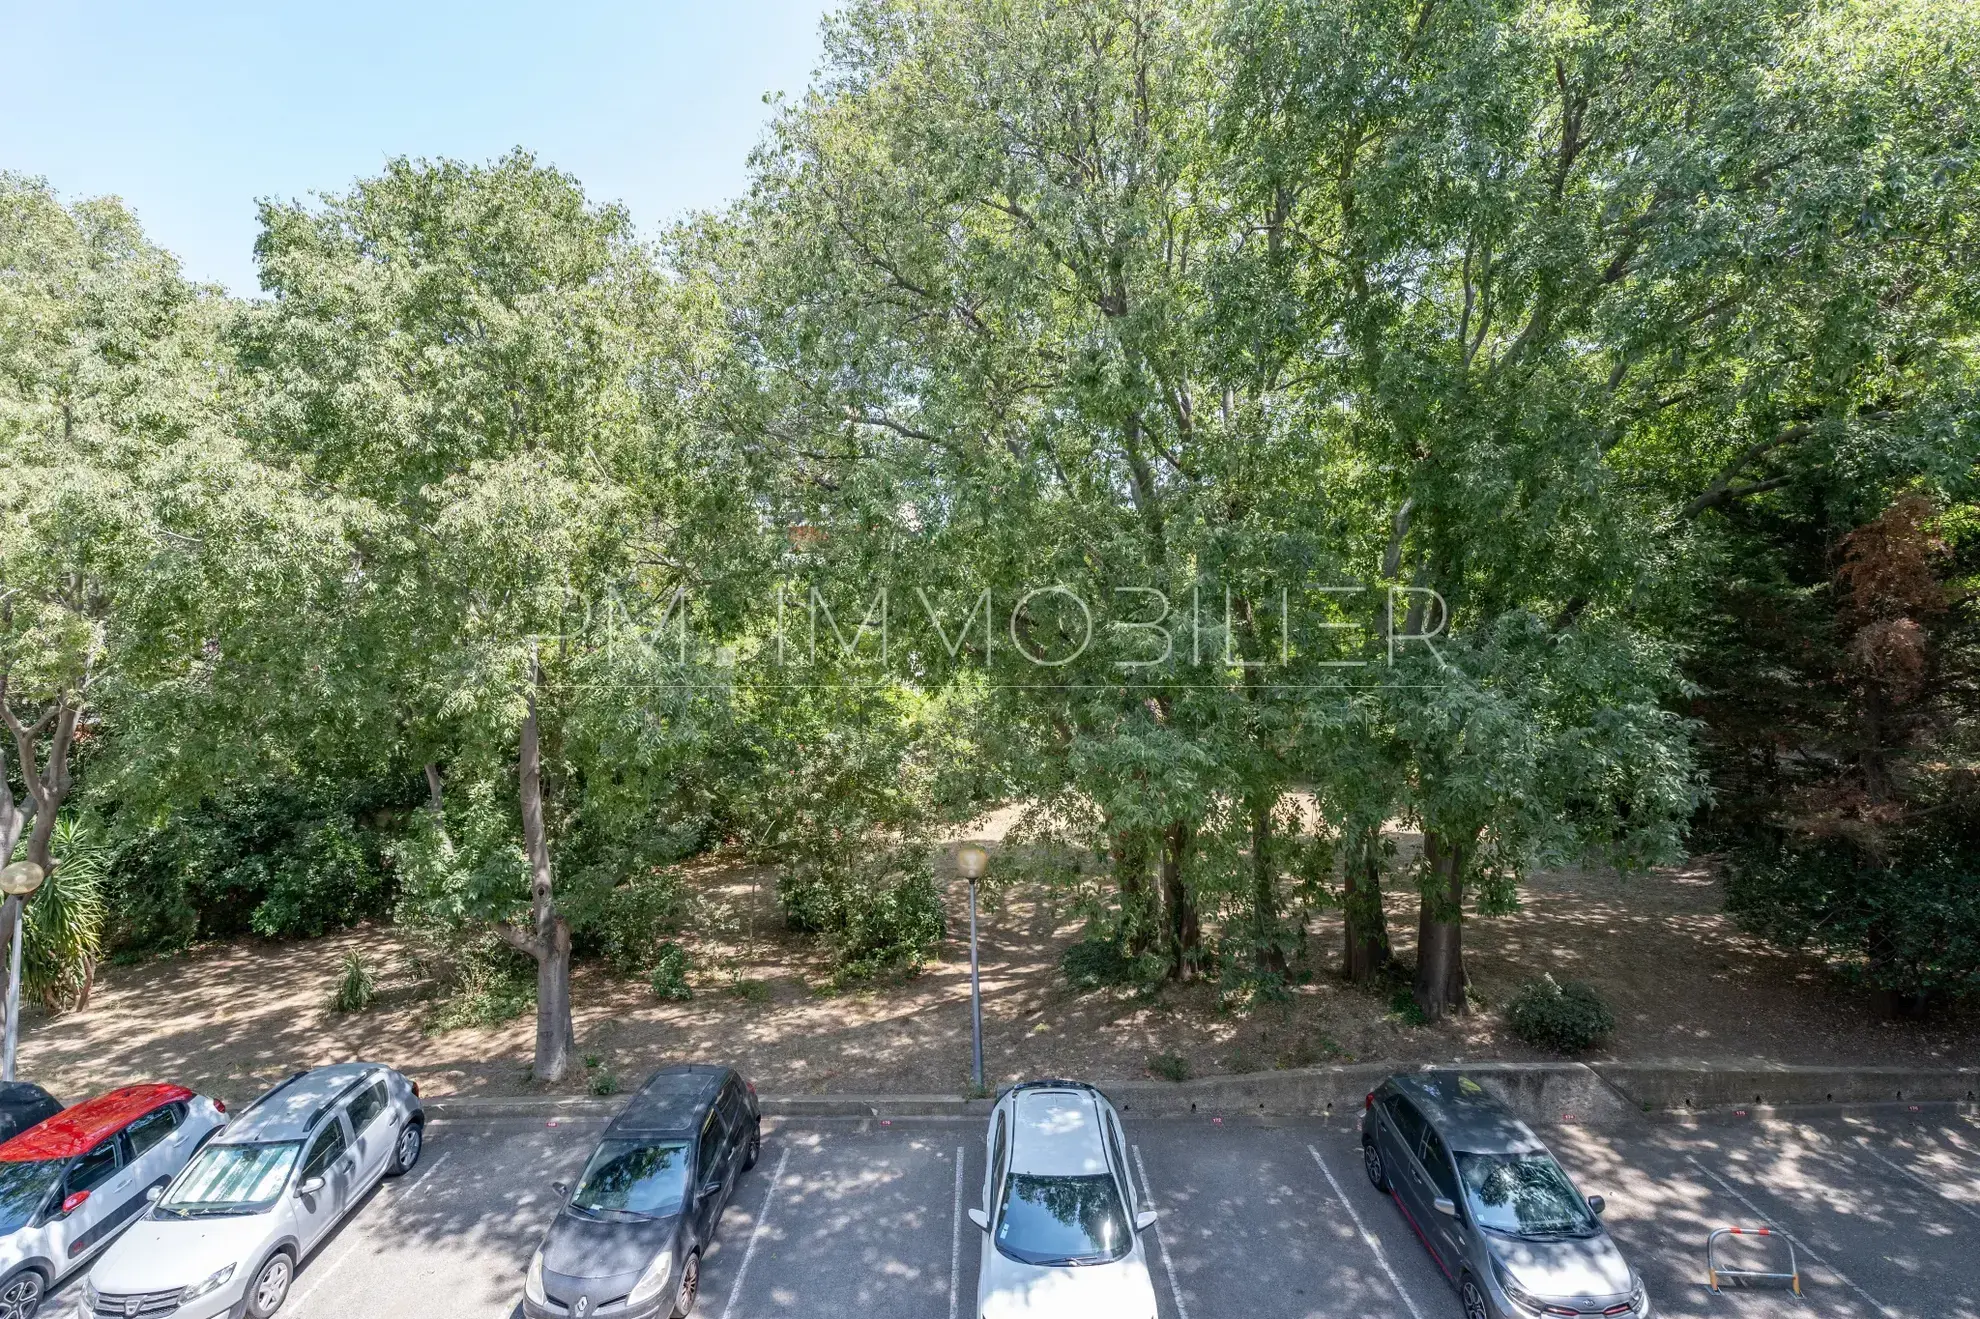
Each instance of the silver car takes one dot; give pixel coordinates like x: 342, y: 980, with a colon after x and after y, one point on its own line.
x: 1491, y: 1205
x: 224, y: 1239
x: 1061, y: 1220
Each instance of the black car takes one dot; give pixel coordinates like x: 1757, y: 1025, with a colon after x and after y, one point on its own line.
x: 627, y: 1242
x: 22, y: 1104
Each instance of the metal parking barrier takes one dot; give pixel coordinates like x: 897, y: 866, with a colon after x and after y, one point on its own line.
x: 1713, y: 1271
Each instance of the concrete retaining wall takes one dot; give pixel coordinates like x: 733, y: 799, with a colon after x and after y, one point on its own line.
x: 1601, y: 1094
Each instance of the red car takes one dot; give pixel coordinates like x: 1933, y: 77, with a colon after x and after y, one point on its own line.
x: 70, y: 1183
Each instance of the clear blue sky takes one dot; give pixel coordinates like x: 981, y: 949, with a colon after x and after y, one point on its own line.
x: 190, y: 110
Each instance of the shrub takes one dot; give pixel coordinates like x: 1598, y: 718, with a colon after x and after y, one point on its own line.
x: 1904, y: 921
x: 1566, y: 1016
x: 356, y: 990
x: 634, y: 921
x: 492, y: 983
x: 881, y: 912
x: 1170, y: 1066
x: 670, y: 968
x: 1098, y: 961
x: 64, y: 920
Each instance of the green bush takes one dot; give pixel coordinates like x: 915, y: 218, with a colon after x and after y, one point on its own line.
x: 1098, y: 961
x: 1170, y: 1066
x: 64, y: 920
x: 491, y: 983
x: 282, y: 861
x: 634, y: 921
x: 1566, y: 1016
x: 881, y: 912
x: 1904, y: 921
x: 356, y: 990
x: 669, y: 978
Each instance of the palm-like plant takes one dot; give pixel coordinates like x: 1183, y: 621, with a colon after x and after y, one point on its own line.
x: 64, y: 920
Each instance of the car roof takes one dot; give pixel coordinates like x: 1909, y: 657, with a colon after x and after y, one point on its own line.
x: 78, y: 1128
x: 1056, y: 1132
x: 671, y: 1102
x: 287, y: 1110
x: 1466, y: 1116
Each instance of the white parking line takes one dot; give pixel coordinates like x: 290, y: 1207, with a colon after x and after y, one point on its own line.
x: 1374, y: 1246
x: 320, y: 1274
x: 955, y: 1235
x: 742, y: 1269
x: 1914, y: 1178
x: 1793, y: 1240
x: 1168, y: 1267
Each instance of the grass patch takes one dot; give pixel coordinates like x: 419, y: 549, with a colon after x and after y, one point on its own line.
x: 488, y: 991
x: 749, y: 991
x: 1170, y: 1066
x: 1403, y: 1007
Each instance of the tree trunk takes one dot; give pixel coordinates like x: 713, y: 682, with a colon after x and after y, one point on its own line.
x: 1138, y: 906
x: 549, y: 941
x: 1185, y: 937
x: 1271, y: 958
x: 1366, y: 954
x: 1440, y: 980
x: 434, y: 783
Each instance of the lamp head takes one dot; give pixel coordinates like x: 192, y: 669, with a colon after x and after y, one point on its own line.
x: 20, y: 879
x: 972, y: 861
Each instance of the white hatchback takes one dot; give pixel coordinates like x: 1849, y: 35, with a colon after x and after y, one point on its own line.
x: 1061, y: 1219
x: 226, y: 1236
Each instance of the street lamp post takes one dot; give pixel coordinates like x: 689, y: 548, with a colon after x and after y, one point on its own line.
x: 17, y: 881
x: 972, y: 861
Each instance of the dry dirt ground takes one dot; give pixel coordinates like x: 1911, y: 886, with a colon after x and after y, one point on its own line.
x: 1684, y: 983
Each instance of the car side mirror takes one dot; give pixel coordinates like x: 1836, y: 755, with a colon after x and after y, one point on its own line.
x: 152, y: 1193
x: 1598, y: 1204
x: 1144, y: 1220
x: 713, y: 1186
x: 561, y: 1188
x: 309, y: 1186
x: 75, y: 1201
x: 981, y: 1218
x: 1444, y: 1205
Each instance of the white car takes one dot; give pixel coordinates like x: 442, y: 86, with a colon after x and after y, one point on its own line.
x: 1062, y: 1221
x: 226, y: 1236
x: 69, y: 1184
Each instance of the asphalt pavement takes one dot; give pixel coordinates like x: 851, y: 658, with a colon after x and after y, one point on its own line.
x: 1260, y: 1219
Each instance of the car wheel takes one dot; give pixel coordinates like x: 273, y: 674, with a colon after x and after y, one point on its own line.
x: 20, y: 1295
x: 1371, y: 1160
x: 755, y: 1150
x: 690, y: 1285
x: 271, y: 1286
x: 405, y: 1153
x: 1472, y: 1296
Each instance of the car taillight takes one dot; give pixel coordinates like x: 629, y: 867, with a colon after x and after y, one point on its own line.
x: 1368, y: 1104
x: 220, y: 1104
x: 415, y: 1086
x: 750, y: 1086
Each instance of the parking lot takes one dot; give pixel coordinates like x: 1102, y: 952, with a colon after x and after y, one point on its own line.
x: 1260, y: 1219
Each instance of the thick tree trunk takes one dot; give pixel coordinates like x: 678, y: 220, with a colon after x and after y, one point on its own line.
x: 1185, y: 935
x: 1440, y: 983
x: 1366, y: 954
x: 549, y: 941
x: 434, y: 801
x: 1271, y: 958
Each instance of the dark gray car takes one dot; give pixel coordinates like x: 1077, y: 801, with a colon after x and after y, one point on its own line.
x: 627, y: 1242
x: 1495, y: 1210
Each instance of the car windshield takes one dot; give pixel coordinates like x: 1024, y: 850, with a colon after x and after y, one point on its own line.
x: 1525, y: 1195
x: 23, y: 1187
x: 1063, y: 1220
x: 231, y: 1179
x: 633, y: 1179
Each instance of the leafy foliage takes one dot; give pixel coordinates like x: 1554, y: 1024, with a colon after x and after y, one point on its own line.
x: 65, y: 920
x: 357, y: 988
x: 1564, y: 1015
